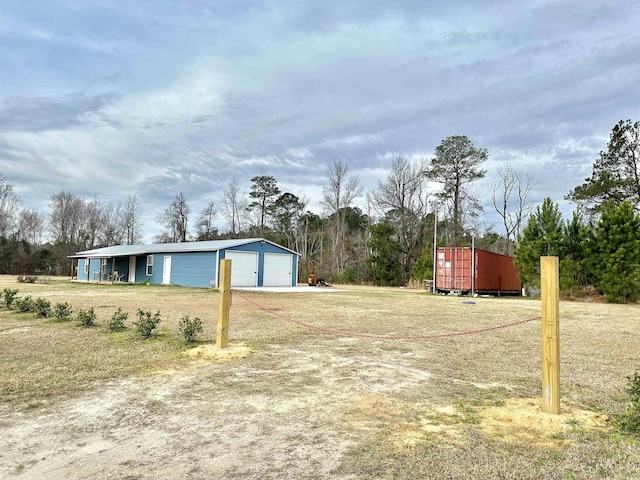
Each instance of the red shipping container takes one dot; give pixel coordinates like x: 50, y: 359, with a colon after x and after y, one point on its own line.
x: 492, y: 272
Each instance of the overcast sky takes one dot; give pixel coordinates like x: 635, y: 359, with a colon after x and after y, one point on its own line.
x: 105, y: 98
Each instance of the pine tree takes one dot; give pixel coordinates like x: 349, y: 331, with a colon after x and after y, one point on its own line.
x: 264, y: 191
x: 614, y: 253
x: 456, y: 165
x: 573, y: 249
x: 616, y: 173
x: 384, y: 261
x: 543, y: 235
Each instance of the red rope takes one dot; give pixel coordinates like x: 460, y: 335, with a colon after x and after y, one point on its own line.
x: 330, y: 331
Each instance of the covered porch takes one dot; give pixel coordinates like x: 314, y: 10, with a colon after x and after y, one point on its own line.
x: 105, y: 269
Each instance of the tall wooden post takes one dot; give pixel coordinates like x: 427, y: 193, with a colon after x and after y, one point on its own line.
x: 550, y: 291
x: 224, y: 304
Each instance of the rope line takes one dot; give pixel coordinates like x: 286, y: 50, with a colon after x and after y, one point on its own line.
x: 330, y: 331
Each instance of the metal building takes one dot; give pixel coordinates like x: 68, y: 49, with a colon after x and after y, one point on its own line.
x: 256, y: 262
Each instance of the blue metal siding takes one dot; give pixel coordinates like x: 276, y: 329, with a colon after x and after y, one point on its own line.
x: 82, y: 275
x: 94, y: 268
x: 262, y: 248
x: 141, y: 269
x: 194, y: 269
x: 189, y: 269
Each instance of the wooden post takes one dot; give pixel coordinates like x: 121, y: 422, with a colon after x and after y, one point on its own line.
x: 224, y: 303
x: 550, y: 291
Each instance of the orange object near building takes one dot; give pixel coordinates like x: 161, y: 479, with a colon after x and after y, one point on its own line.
x: 492, y: 273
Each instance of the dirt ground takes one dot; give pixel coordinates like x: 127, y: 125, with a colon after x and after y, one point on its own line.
x: 305, y: 406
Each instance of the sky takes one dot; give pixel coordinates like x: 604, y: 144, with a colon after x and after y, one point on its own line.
x: 106, y: 98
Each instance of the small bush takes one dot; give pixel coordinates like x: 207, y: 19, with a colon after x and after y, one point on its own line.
x: 190, y: 328
x: 349, y: 275
x: 118, y: 320
x: 86, y: 318
x: 27, y: 278
x: 9, y: 296
x: 629, y: 420
x: 147, y: 323
x: 62, y: 311
x: 24, y: 304
x: 42, y: 307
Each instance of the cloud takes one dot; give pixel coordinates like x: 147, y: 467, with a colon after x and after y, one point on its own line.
x: 37, y: 114
x: 162, y: 97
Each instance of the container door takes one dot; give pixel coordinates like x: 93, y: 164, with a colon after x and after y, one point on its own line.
x: 443, y: 269
x: 462, y: 269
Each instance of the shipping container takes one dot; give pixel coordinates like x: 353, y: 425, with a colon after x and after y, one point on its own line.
x: 491, y: 273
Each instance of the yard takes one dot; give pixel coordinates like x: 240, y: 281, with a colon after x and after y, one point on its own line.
x: 289, y: 400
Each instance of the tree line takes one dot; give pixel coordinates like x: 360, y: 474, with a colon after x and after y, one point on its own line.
x: 390, y: 240
x: 599, y: 247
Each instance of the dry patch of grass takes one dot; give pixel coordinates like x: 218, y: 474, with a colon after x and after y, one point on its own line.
x: 211, y: 352
x: 522, y: 420
x: 516, y: 421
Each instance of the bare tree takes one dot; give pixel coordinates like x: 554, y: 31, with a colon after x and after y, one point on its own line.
x: 111, y: 228
x: 205, y: 227
x: 401, y: 198
x: 92, y: 223
x: 9, y: 205
x: 66, y: 219
x: 175, y: 219
x: 131, y: 220
x: 309, y: 235
x: 337, y: 196
x: 511, y: 202
x: 233, y: 206
x: 31, y: 226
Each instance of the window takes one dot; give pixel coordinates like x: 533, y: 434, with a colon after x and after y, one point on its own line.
x: 86, y: 265
x: 149, y: 265
x: 104, y: 262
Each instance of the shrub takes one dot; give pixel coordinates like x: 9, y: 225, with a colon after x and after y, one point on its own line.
x: 86, y: 318
x: 62, y: 311
x: 349, y: 275
x: 118, y: 320
x: 24, y: 304
x: 147, y: 323
x: 190, y: 328
x: 42, y: 307
x: 9, y: 296
x: 629, y: 420
x: 27, y: 278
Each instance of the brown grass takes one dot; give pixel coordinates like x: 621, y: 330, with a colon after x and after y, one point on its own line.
x: 478, y: 418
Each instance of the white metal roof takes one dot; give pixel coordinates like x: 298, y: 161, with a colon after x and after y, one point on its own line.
x: 206, y: 246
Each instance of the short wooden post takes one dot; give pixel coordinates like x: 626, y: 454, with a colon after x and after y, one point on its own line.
x: 224, y: 304
x: 550, y: 291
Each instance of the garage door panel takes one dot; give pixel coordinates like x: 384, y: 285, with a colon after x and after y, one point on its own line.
x: 244, y: 268
x: 277, y: 270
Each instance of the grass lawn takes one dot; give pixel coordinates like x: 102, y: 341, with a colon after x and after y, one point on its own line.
x: 305, y: 403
